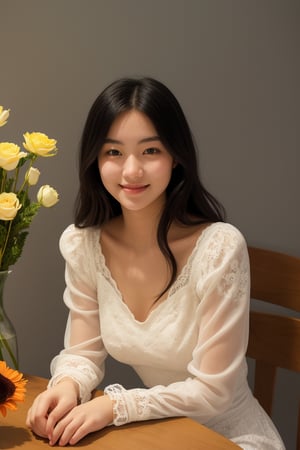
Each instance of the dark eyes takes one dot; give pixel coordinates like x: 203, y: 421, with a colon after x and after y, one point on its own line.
x: 147, y: 151
x: 151, y: 151
x: 113, y: 152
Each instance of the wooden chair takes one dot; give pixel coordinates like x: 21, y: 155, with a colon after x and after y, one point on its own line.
x: 274, y: 339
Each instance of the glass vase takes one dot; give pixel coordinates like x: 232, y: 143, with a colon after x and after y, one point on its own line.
x: 8, y: 336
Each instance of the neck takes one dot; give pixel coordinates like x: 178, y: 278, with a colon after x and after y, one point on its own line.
x: 140, y: 228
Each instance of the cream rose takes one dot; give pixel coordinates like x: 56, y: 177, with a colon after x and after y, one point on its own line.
x: 32, y: 176
x: 4, y: 115
x: 10, y: 155
x: 9, y: 205
x: 40, y: 144
x: 47, y: 196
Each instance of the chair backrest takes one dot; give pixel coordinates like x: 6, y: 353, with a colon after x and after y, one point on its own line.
x: 274, y: 339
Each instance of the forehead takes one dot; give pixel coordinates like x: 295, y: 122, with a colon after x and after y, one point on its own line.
x: 131, y: 125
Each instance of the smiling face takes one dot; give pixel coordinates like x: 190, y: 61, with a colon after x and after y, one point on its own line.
x: 134, y: 165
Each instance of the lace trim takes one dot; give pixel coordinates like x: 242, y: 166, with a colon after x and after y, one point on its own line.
x: 115, y: 393
x: 73, y: 367
x: 184, y: 276
x: 222, y: 240
x: 142, y: 403
x: 225, y: 242
x: 236, y: 276
x: 180, y: 281
x: 128, y: 406
x: 101, y: 263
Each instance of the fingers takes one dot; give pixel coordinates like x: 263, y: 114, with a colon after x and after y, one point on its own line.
x: 63, y: 422
x: 82, y: 420
x: 37, y: 418
x: 66, y: 431
x: 57, y: 414
x: 48, y: 409
x: 39, y: 429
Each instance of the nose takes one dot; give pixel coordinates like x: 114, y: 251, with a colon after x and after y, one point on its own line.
x: 132, y: 168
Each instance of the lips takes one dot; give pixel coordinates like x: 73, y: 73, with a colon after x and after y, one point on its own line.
x: 134, y: 188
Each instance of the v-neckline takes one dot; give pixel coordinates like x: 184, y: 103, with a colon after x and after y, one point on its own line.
x: 180, y: 281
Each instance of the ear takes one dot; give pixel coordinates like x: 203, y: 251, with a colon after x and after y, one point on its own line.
x: 174, y: 164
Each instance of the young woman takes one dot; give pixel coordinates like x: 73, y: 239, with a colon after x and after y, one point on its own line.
x: 155, y: 278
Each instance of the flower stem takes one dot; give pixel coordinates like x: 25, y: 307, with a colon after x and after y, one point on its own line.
x: 6, y: 241
x: 16, y: 178
x: 5, y: 344
x: 26, y: 179
x: 3, y: 181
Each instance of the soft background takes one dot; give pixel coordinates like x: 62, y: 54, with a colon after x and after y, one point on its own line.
x: 234, y: 66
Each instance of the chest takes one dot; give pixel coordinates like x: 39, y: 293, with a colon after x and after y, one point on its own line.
x: 172, y: 328
x: 142, y: 277
x: 141, y: 271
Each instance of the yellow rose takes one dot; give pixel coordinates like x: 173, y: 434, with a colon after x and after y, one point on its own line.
x: 40, y: 144
x: 4, y: 114
x: 10, y: 155
x: 47, y: 196
x: 32, y: 176
x: 9, y: 205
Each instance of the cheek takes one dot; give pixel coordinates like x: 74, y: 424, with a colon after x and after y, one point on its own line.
x: 107, y: 171
x: 163, y: 171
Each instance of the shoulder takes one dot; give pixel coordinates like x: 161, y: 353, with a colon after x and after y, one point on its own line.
x: 221, y: 256
x: 75, y: 241
x: 78, y: 248
x: 223, y: 234
x: 219, y: 243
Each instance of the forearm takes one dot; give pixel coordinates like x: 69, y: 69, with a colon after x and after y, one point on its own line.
x: 82, y: 371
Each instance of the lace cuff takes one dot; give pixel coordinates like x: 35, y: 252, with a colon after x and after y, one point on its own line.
x: 74, y: 367
x: 128, y: 406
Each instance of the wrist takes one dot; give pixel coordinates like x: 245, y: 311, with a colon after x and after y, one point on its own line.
x: 71, y: 383
x: 108, y: 404
x: 105, y: 406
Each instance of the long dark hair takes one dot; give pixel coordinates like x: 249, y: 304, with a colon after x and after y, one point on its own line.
x: 187, y: 201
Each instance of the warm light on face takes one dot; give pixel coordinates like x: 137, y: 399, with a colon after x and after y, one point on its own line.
x: 134, y: 165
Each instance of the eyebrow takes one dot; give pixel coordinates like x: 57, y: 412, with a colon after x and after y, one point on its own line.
x: 142, y: 141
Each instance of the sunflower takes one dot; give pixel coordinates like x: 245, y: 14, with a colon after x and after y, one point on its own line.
x: 12, y: 388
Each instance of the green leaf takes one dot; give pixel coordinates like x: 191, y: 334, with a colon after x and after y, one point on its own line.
x: 29, y: 156
x: 8, y: 185
x: 14, y: 249
x: 18, y: 231
x: 24, y: 218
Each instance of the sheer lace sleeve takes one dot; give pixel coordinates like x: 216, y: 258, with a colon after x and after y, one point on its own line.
x: 83, y: 356
x: 220, y: 277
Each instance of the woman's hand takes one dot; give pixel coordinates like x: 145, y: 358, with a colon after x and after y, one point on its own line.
x: 82, y: 420
x: 51, y: 406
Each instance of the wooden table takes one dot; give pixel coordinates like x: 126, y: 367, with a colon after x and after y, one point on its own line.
x: 165, y: 434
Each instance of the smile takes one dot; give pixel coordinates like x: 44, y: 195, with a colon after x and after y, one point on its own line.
x: 133, y: 188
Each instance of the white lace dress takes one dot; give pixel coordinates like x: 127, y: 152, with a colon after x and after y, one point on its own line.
x: 189, y: 352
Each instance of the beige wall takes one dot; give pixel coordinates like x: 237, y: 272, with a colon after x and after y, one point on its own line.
x: 234, y: 65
